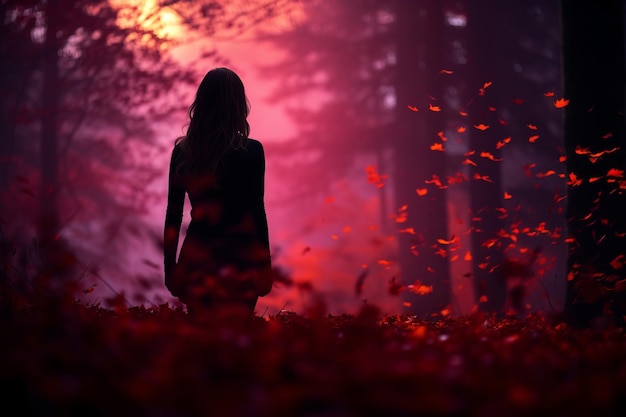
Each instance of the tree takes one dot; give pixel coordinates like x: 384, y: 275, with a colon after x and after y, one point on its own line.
x: 386, y: 67
x: 96, y: 83
x: 368, y: 58
x: 419, y: 34
x: 593, y: 58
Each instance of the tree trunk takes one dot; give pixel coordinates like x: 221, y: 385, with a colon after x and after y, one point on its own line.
x: 419, y: 58
x: 48, y: 215
x: 487, y: 62
x: 593, y: 59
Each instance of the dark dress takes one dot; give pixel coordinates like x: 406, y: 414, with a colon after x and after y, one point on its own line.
x: 225, y: 256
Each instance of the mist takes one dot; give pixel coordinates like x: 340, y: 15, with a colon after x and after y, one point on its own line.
x: 415, y: 150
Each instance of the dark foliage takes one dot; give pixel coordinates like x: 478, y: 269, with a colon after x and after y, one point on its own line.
x: 63, y: 358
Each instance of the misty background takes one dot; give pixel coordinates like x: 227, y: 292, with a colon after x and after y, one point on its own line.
x: 414, y: 149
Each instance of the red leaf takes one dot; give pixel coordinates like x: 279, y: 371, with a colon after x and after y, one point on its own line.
x: 433, y: 108
x: 560, y: 103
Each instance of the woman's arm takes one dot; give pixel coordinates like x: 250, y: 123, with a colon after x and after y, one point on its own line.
x: 259, y: 200
x: 265, y: 280
x: 173, y: 216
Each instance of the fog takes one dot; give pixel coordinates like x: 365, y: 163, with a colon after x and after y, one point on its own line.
x: 402, y: 163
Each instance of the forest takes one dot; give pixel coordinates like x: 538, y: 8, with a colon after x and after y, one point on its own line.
x: 443, y: 192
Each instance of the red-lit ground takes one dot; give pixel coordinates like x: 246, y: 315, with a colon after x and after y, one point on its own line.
x: 72, y: 360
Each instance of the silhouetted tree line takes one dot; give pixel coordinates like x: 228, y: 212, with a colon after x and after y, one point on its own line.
x: 384, y: 66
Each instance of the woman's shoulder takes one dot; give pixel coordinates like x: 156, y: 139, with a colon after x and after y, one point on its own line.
x: 254, y: 145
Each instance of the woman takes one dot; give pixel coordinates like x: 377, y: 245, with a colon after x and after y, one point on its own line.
x: 225, y: 258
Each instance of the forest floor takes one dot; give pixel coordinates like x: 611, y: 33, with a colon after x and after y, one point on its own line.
x: 70, y: 359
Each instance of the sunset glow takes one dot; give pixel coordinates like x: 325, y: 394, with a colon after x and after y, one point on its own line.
x: 147, y: 15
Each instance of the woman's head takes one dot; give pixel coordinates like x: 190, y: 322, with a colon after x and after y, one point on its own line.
x: 218, y: 119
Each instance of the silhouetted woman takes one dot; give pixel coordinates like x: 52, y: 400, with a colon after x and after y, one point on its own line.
x: 225, y: 257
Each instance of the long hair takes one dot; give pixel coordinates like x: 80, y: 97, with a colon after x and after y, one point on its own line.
x: 218, y: 121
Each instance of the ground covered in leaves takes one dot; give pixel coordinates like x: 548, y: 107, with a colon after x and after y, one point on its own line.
x: 80, y: 360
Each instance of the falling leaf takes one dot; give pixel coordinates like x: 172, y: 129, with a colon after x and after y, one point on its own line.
x: 517, y: 101
x: 485, y: 178
x: 481, y: 91
x: 412, y: 108
x: 500, y: 144
x: 433, y: 108
x: 560, y: 103
x: 347, y: 229
x: 614, y: 172
x: 488, y: 155
x: 457, y: 178
x: 619, y: 262
x: 507, y: 196
x: 442, y: 136
x: 445, y: 71
x: 489, y: 243
x: 531, y: 127
x: 573, y: 180
x: 384, y: 263
x: 601, y: 153
x: 437, y: 181
x: 408, y: 230
x: 423, y: 289
x: 402, y: 214
x: 582, y: 151
x: 453, y: 239
x: 463, y: 113
x: 374, y: 177
x: 461, y: 129
x: 437, y: 147
x: 481, y: 126
x: 562, y: 158
x: 468, y: 161
x: 549, y: 94
x: 533, y: 138
x: 608, y: 135
x: 545, y: 174
x: 483, y: 299
x: 421, y: 191
x: 468, y: 256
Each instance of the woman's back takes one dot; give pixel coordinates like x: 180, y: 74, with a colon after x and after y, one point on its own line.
x: 225, y: 257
